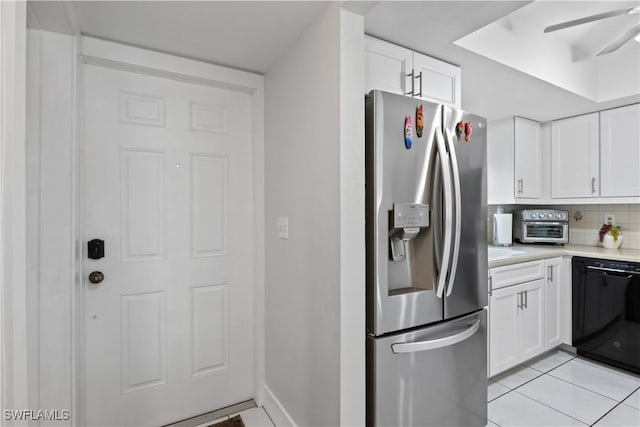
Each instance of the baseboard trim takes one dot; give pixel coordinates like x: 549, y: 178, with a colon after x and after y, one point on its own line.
x: 276, y: 411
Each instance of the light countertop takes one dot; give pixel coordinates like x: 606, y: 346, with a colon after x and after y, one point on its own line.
x: 499, y: 256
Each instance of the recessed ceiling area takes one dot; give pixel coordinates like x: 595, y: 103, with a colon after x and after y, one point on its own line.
x: 566, y: 58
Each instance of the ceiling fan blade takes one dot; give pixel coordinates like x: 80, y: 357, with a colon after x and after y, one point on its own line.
x: 587, y: 19
x: 620, y: 40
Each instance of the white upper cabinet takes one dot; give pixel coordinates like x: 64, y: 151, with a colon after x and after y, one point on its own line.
x: 437, y: 81
x: 528, y: 159
x: 387, y: 66
x: 575, y: 157
x: 395, y: 69
x: 620, y: 152
x: 514, y: 160
x: 592, y: 158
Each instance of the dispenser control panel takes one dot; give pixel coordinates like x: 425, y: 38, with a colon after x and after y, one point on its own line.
x: 407, y: 215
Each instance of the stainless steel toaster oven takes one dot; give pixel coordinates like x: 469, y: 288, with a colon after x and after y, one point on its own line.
x: 541, y: 226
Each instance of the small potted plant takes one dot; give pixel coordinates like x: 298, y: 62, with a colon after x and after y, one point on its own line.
x: 610, y: 236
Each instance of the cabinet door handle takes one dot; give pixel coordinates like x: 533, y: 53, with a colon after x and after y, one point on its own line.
x: 593, y: 185
x: 420, y: 77
x: 520, y: 300
x: 412, y: 83
x: 526, y: 299
x: 520, y: 185
x: 490, y: 285
x: 550, y: 273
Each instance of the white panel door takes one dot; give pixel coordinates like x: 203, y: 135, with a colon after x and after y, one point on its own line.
x: 575, y: 157
x: 554, y: 307
x: 620, y: 152
x: 168, y: 333
x: 528, y: 158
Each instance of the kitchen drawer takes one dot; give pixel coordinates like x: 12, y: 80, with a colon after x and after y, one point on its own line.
x: 516, y: 273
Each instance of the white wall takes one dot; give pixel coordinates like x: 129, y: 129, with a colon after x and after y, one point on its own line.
x: 500, y: 161
x: 50, y: 215
x: 352, y: 216
x: 314, y: 172
x: 616, y: 78
x: 13, y: 303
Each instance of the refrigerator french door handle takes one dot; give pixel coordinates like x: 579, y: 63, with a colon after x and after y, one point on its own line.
x: 412, y: 347
x: 456, y: 205
x: 448, y: 206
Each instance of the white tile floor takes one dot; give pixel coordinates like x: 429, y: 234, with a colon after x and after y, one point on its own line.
x: 252, y: 417
x: 559, y: 389
x: 556, y: 389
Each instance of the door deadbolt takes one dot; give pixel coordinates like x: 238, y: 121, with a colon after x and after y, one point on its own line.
x: 95, y: 249
x: 96, y: 277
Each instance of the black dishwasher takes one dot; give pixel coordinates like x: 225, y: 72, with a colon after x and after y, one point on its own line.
x: 606, y: 311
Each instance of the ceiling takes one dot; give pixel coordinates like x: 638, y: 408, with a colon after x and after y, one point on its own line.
x: 248, y: 35
x: 254, y: 35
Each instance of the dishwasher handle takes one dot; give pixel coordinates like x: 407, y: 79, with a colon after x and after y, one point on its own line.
x: 613, y: 270
x: 411, y: 347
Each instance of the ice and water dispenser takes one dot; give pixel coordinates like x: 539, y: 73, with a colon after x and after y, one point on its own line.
x: 409, y: 248
x: 407, y: 220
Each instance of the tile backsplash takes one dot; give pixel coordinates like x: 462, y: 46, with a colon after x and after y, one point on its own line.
x: 586, y: 220
x: 584, y: 231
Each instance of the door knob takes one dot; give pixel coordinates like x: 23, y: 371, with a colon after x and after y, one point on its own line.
x: 96, y: 277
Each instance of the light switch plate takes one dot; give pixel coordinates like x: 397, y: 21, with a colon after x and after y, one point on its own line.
x: 610, y: 219
x: 283, y: 227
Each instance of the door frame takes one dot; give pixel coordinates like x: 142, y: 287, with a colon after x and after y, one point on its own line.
x: 103, y: 53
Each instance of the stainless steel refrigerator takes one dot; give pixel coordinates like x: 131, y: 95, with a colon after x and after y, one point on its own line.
x: 426, y: 263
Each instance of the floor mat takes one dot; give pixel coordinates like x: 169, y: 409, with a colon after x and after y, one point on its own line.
x: 231, y: 422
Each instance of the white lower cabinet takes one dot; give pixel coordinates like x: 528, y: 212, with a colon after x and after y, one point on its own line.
x: 504, y: 330
x: 516, y: 324
x: 554, y: 304
x: 531, y: 319
x: 527, y: 304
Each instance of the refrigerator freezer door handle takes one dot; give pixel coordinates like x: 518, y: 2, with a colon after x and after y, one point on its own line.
x: 457, y: 207
x: 448, y: 203
x: 411, y: 347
